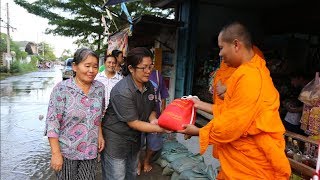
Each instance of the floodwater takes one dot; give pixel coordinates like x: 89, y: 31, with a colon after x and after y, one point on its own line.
x: 25, y: 152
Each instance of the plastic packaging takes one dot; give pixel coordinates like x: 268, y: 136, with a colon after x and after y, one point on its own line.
x: 310, y: 94
x: 178, y: 113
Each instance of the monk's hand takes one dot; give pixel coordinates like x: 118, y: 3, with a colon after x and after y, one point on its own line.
x: 221, y: 89
x: 221, y: 96
x: 56, y: 161
x: 189, y: 129
x: 196, y: 101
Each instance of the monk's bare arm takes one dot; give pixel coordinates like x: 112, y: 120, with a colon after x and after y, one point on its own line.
x: 204, y: 106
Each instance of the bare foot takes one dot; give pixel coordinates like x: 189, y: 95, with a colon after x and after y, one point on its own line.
x: 139, y: 169
x: 147, y: 167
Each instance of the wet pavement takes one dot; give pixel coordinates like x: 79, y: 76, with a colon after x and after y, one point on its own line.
x: 24, y: 149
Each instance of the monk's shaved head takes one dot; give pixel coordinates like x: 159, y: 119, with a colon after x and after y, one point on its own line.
x: 236, y: 30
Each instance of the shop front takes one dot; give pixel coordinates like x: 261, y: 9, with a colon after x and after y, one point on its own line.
x: 288, y: 34
x: 159, y: 35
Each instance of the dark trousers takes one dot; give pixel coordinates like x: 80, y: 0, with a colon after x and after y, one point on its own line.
x: 78, y: 169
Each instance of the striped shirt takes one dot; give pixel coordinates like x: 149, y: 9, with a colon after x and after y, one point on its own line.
x: 108, y: 84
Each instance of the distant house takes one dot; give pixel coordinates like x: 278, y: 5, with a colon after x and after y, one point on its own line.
x: 31, y: 48
x: 22, y: 45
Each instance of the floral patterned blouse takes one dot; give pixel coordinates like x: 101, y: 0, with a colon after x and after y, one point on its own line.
x: 74, y: 118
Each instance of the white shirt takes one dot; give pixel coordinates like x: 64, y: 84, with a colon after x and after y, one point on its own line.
x: 108, y: 83
x: 293, y: 118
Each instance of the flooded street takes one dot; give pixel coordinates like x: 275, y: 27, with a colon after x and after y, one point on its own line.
x: 25, y: 152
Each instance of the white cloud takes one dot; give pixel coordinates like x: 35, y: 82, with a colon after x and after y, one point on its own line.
x: 30, y: 27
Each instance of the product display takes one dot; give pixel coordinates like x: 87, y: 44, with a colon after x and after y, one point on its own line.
x: 303, y: 153
x: 310, y: 96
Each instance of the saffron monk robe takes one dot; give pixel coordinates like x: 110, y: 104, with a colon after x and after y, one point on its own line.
x: 246, y: 128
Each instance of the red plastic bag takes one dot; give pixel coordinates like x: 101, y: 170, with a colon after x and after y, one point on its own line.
x: 177, y: 113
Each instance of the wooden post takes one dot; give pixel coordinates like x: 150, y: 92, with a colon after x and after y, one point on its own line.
x: 158, y: 59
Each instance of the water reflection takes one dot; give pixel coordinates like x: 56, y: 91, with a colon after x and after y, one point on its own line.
x: 25, y: 152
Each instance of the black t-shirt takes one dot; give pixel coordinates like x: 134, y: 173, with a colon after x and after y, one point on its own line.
x: 127, y: 103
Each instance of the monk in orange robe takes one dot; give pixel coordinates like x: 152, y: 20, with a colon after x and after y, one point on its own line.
x: 246, y: 129
x: 221, y: 77
x: 223, y: 74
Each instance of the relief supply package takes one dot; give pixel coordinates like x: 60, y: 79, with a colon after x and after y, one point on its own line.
x: 178, y: 112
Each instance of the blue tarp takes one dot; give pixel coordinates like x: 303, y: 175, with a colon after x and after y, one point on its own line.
x: 114, y: 2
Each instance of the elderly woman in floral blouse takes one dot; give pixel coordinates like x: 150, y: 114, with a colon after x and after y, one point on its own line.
x: 73, y: 120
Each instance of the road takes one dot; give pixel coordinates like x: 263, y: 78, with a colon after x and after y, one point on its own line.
x: 24, y: 149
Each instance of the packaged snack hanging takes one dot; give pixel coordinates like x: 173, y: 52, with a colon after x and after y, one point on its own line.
x: 310, y: 94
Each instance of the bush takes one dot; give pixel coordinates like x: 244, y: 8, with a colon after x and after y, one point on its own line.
x: 36, y: 58
x: 17, y: 67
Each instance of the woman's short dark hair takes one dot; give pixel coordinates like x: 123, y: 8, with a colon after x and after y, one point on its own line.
x: 109, y: 55
x: 82, y: 54
x: 116, y: 52
x: 135, y: 57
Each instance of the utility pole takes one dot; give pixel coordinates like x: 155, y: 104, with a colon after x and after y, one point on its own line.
x: 8, y: 38
x: 43, y: 49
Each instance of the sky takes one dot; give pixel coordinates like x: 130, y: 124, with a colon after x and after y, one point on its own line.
x: 30, y: 27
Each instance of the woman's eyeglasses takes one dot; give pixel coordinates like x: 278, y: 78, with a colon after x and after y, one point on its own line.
x: 150, y: 68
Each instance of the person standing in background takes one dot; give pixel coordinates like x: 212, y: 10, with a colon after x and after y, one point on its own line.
x: 120, y: 61
x: 73, y: 124
x: 109, y: 77
x: 294, y: 106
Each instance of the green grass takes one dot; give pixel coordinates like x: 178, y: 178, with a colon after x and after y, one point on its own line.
x: 17, y: 69
x: 4, y: 75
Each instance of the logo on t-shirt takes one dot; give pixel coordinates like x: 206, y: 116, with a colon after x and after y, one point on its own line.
x: 151, y: 97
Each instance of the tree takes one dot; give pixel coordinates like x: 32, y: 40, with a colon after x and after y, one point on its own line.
x: 82, y: 18
x: 14, y: 47
x: 3, y: 44
x: 66, y: 53
x: 17, y: 66
x: 46, y: 51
